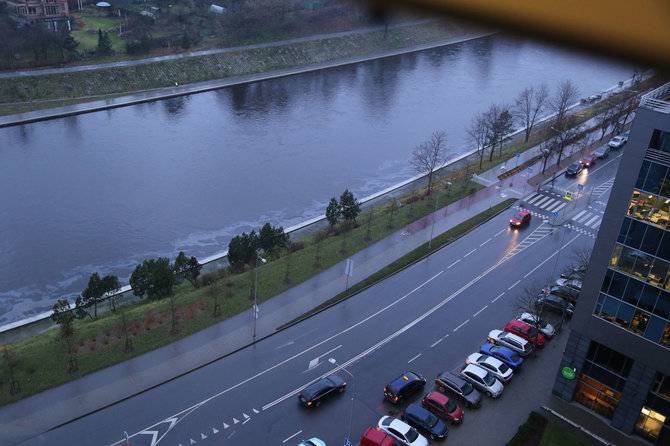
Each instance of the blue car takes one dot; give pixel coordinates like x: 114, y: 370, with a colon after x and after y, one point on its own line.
x: 507, y: 356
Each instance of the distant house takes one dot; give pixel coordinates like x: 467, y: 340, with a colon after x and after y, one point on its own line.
x: 217, y: 9
x: 52, y: 13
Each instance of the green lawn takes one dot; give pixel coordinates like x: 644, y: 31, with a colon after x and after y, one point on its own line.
x: 554, y: 435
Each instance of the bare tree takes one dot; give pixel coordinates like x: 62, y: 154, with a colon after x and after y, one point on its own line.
x: 493, y: 116
x: 605, y: 120
x: 582, y: 258
x: 566, y: 94
x: 477, y: 135
x: 527, y: 303
x: 546, y: 149
x: 565, y: 138
x: 529, y: 104
x: 429, y: 155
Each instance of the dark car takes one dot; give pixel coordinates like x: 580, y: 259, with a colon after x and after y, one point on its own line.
x: 565, y: 292
x: 555, y: 303
x: 443, y: 406
x: 526, y: 331
x: 574, y: 168
x: 317, y: 392
x: 403, y: 386
x: 520, y: 218
x: 509, y: 357
x: 425, y: 422
x: 448, y: 382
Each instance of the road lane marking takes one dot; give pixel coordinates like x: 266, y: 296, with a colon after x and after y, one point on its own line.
x: 453, y: 263
x: 470, y: 253
x: 501, y: 231
x: 436, y: 342
x: 456, y: 329
x: 513, y: 285
x: 485, y: 306
x: 484, y: 243
x: 413, y: 358
x: 297, y: 433
x: 499, y: 296
x: 315, y: 362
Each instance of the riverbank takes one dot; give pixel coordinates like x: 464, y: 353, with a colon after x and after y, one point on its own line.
x: 118, y: 85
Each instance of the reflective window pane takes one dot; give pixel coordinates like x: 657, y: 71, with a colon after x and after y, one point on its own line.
x: 648, y: 297
x: 662, y: 307
x: 664, y: 247
x: 633, y: 202
x: 618, y: 285
x: 610, y: 309
x: 633, y: 291
x: 652, y: 238
x: 616, y: 254
x: 658, y: 272
x: 654, y: 178
x: 640, y: 322
x: 643, y: 174
x: 655, y: 329
x: 624, y: 315
x: 623, y: 232
x: 636, y: 234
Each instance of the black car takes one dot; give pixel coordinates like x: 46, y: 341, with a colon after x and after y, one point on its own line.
x: 315, y: 393
x: 425, y: 422
x: 404, y: 386
x: 574, y: 168
x: 555, y: 303
x: 448, y: 382
x: 565, y: 292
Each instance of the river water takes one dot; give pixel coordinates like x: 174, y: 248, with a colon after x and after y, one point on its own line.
x: 101, y: 192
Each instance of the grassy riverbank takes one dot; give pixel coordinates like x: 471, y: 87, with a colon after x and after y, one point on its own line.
x: 22, y: 94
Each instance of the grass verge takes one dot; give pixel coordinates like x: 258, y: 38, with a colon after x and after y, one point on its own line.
x: 539, y: 431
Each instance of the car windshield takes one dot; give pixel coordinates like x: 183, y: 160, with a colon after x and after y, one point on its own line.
x: 503, y: 368
x: 489, y: 379
x: 431, y: 420
x: 467, y: 388
x: 514, y: 357
x: 451, y: 406
x: 411, y: 435
x: 518, y: 217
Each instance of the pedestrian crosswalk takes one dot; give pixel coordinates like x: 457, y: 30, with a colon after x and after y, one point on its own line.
x: 549, y: 203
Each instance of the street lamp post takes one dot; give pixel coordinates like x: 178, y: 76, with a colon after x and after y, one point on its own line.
x: 353, y: 393
x: 432, y: 228
x: 255, y: 309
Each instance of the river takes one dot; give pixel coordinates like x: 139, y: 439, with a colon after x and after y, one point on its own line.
x: 101, y: 192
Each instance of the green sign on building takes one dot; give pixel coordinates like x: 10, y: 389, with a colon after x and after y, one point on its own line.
x: 568, y: 373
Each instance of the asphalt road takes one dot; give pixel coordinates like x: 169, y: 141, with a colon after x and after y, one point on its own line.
x: 427, y: 318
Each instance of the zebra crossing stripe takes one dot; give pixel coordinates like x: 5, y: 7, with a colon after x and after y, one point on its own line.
x: 597, y: 225
x: 544, y: 199
x: 561, y: 207
x: 556, y: 204
x: 534, y: 194
x: 576, y: 217
x: 537, y: 197
x: 548, y: 203
x: 590, y: 222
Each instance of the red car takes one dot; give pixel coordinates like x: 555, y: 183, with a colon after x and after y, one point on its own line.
x: 443, y: 407
x: 589, y: 160
x: 525, y: 331
x: 520, y: 218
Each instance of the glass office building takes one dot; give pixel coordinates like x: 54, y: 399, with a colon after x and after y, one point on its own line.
x: 619, y: 342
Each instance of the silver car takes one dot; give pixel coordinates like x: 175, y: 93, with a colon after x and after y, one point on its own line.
x: 492, y: 365
x: 482, y: 380
x: 511, y: 341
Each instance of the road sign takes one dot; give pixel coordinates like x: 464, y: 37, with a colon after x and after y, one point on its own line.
x: 580, y: 186
x: 518, y: 155
x: 349, y: 269
x: 568, y: 373
x: 555, y: 214
x: 530, y: 169
x: 347, y: 442
x: 568, y: 195
x: 256, y: 311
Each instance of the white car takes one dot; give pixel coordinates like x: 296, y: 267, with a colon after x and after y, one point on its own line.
x: 492, y: 365
x: 572, y: 283
x: 482, y: 380
x: 545, y: 327
x: 401, y: 431
x: 618, y: 141
x: 511, y: 341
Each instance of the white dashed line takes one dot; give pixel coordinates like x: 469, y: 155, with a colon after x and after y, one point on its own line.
x: 413, y: 358
x: 485, y: 306
x: 297, y: 433
x: 453, y: 263
x: 513, y: 285
x: 456, y: 329
x: 499, y: 296
x: 484, y: 243
x: 470, y: 253
x: 436, y: 342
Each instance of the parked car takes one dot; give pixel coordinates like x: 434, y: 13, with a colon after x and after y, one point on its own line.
x: 525, y: 331
x: 509, y: 357
x: 618, y: 141
x: 448, y: 382
x: 425, y: 422
x: 443, y: 406
x: 520, y: 218
x: 511, y: 341
x: 374, y: 437
x: 492, y: 365
x: 574, y: 273
x: 482, y: 380
x: 404, y: 386
x: 316, y: 393
x: 564, y: 292
x: 589, y: 160
x: 401, y: 431
x: 602, y: 152
x: 545, y: 327
x: 554, y: 303
x: 574, y: 168
x: 312, y: 442
x: 591, y: 99
x: 575, y: 284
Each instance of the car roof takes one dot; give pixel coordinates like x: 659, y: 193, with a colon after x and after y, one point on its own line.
x: 523, y: 212
x: 476, y: 370
x: 404, y: 379
x: 451, y: 377
x: 416, y: 410
x: 518, y: 323
x: 509, y: 335
x: 437, y: 396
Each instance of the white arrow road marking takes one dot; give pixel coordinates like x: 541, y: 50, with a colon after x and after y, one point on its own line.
x: 202, y: 436
x: 215, y: 431
x: 225, y: 426
x: 235, y: 421
x: 255, y: 411
x: 193, y: 441
x: 245, y: 415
